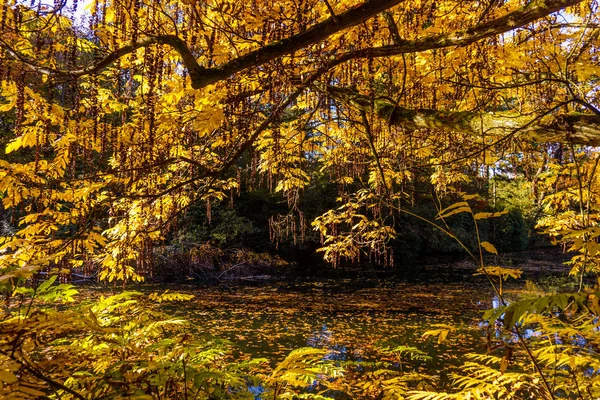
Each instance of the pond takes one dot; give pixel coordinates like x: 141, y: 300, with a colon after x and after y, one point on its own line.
x: 379, y: 330
x: 364, y: 324
x: 353, y: 319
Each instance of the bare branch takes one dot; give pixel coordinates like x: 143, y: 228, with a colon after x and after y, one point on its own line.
x: 175, y: 42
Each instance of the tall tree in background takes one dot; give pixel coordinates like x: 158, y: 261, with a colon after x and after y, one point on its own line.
x: 118, y: 124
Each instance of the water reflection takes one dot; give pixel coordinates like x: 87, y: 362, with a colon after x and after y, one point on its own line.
x: 496, y: 302
x: 320, y: 338
x: 256, y: 391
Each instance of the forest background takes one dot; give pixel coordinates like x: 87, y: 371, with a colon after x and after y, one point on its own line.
x: 197, y: 140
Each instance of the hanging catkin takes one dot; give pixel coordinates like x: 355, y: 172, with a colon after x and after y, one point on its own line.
x: 135, y: 20
x: 208, y: 211
x: 3, y: 15
x: 4, y: 72
x: 20, y: 103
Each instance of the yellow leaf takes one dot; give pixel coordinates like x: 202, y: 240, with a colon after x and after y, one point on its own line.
x: 485, y: 215
x: 7, y: 376
x: 489, y: 247
x: 456, y: 208
x: 32, y: 392
x: 14, y: 144
x: 504, y: 273
x: 443, y: 336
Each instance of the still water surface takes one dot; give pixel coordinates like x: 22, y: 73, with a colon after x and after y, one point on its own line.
x: 351, y: 318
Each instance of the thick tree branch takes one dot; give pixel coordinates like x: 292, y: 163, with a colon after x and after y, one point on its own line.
x: 175, y: 42
x: 575, y: 128
x: 202, y: 76
x: 316, y: 33
x: 171, y: 40
x: 531, y: 12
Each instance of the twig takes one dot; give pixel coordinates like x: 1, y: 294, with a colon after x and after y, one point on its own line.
x: 333, y: 17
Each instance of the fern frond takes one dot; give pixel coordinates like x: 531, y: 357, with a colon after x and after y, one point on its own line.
x: 423, y: 395
x: 486, y: 359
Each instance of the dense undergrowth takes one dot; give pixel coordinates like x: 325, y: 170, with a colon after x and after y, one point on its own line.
x: 57, y: 345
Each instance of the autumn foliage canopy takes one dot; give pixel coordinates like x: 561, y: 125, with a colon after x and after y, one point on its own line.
x: 118, y: 115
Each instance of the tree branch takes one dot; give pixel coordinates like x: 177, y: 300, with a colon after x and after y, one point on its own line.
x: 575, y: 128
x: 202, y: 76
x: 393, y: 28
x: 320, y: 31
x: 175, y: 42
x: 531, y: 12
x: 28, y: 365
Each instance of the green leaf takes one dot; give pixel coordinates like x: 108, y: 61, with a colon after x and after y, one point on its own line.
x: 493, y: 314
x: 46, y: 284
